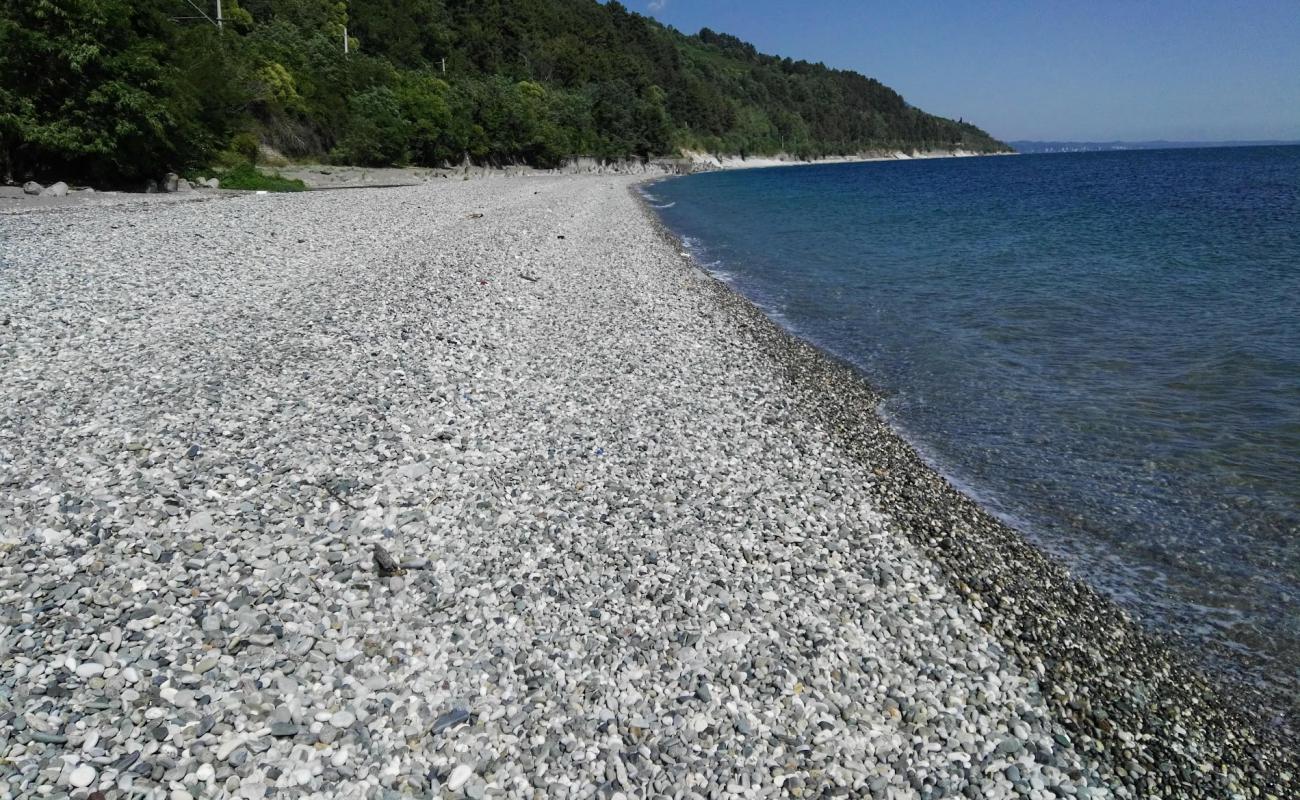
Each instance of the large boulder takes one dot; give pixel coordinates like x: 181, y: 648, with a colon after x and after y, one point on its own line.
x: 213, y: 183
x: 183, y: 185
x: 59, y: 189
x: 171, y: 183
x: 33, y: 188
x: 151, y: 186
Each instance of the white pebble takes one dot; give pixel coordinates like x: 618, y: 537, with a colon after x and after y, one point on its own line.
x: 459, y: 777
x: 82, y: 776
x: 90, y: 669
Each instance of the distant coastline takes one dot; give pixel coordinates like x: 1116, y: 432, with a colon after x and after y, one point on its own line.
x: 703, y: 162
x: 1030, y: 146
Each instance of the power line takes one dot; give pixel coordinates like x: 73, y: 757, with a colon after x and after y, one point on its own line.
x: 204, y: 15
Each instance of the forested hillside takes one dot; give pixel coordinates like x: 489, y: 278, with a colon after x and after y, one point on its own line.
x: 118, y: 90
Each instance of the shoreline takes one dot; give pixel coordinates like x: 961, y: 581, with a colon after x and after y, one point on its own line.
x: 1026, y: 595
x: 637, y: 549
x: 334, y: 177
x: 706, y: 162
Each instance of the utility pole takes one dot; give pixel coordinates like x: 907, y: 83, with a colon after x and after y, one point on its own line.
x: 221, y: 25
x: 345, y: 40
x: 444, y: 65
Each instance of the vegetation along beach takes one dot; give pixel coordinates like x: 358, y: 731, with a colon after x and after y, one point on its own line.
x: 514, y: 465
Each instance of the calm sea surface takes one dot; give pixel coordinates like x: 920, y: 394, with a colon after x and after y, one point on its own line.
x: 1102, y: 348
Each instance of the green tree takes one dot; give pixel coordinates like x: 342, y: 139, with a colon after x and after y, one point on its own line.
x: 377, y: 133
x: 425, y: 104
x: 123, y: 90
x: 107, y: 101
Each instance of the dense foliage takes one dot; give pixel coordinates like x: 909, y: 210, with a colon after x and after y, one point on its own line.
x: 120, y: 89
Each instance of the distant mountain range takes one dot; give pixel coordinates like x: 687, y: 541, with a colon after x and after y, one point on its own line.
x: 1024, y: 146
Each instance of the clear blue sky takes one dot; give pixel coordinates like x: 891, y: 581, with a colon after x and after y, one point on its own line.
x: 1047, y: 69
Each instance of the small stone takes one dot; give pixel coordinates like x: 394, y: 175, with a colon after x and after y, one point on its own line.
x: 82, y: 776
x: 90, y: 669
x: 125, y: 762
x: 343, y: 719
x: 284, y: 729
x: 1009, y: 747
x: 449, y: 720
x: 385, y: 564
x: 459, y: 777
x: 227, y: 747
x: 48, y: 738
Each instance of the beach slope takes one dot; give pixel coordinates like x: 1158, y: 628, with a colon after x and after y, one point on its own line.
x: 642, y: 547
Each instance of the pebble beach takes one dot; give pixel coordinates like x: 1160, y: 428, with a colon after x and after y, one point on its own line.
x: 483, y: 489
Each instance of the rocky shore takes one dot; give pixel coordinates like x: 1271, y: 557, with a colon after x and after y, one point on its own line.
x: 482, y: 489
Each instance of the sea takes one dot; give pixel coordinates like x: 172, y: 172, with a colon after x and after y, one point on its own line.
x: 1103, y: 349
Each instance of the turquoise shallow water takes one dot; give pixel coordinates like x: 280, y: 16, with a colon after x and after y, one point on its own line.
x: 1102, y: 348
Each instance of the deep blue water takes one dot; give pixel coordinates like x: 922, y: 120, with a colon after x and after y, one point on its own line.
x: 1102, y: 348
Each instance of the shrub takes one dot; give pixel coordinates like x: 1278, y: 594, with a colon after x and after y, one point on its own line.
x: 248, y: 177
x: 245, y: 147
